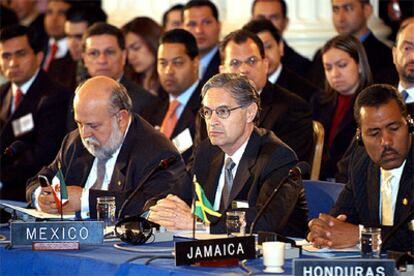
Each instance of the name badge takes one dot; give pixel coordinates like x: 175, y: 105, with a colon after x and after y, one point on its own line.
x: 183, y: 141
x: 23, y: 125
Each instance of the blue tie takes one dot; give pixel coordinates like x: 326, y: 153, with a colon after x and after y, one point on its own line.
x: 404, y: 95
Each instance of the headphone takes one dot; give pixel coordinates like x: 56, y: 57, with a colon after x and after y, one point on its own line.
x: 137, y: 230
x: 410, y: 124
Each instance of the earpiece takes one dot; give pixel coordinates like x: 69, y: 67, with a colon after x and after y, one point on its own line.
x: 137, y: 230
x: 410, y: 123
x: 358, y: 137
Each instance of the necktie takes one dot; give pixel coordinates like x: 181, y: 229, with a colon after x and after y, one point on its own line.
x: 404, y: 95
x: 53, y: 50
x: 228, y: 181
x: 100, y: 174
x: 17, y: 98
x: 170, y: 119
x: 386, y: 199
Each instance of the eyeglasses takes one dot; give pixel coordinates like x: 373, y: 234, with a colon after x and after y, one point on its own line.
x: 251, y: 61
x: 222, y: 112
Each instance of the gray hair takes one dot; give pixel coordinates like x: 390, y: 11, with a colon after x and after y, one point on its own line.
x: 239, y: 87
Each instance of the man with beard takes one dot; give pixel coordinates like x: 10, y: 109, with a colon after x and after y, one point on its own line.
x: 379, y: 192
x: 108, y: 154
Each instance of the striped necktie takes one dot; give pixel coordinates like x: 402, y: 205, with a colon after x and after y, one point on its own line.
x: 228, y: 182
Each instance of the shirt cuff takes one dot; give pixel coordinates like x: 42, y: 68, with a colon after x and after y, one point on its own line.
x: 85, y: 204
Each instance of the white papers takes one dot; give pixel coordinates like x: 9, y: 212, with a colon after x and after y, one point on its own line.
x: 38, y: 214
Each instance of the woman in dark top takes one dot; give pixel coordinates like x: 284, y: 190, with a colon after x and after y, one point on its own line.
x: 347, y: 72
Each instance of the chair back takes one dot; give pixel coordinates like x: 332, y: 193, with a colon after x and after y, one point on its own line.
x: 318, y: 139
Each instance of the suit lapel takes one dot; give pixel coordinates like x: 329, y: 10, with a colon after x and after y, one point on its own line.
x: 373, y: 192
x: 5, y: 104
x: 266, y: 98
x: 213, y: 174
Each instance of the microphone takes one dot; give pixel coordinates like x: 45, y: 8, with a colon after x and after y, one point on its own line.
x: 12, y: 151
x: 294, y: 174
x: 162, y: 165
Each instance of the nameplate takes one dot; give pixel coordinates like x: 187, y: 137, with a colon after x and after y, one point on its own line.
x: 84, y: 232
x: 191, y: 252
x: 362, y: 267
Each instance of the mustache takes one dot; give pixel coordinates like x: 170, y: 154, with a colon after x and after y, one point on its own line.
x: 92, y: 141
x: 388, y: 150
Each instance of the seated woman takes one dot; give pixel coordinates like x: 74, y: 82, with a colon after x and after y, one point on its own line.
x: 347, y: 73
x: 141, y: 38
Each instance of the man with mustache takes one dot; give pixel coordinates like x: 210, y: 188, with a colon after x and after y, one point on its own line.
x: 109, y: 153
x: 379, y: 192
x: 239, y: 164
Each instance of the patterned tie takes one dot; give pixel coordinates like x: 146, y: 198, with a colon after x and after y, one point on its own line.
x: 404, y: 95
x: 17, y: 98
x: 228, y: 182
x: 100, y: 174
x: 53, y: 51
x: 170, y: 119
x: 386, y: 199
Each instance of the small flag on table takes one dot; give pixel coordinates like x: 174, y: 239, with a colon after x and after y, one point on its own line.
x: 59, y: 189
x: 203, y: 205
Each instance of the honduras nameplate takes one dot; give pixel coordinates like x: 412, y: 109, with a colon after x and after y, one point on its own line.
x: 84, y: 232
x: 378, y: 267
x: 191, y: 252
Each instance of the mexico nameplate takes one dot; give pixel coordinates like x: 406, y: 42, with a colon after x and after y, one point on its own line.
x: 84, y: 232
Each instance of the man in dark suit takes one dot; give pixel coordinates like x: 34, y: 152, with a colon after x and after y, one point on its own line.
x: 286, y: 114
x: 279, y: 73
x: 381, y: 182
x: 109, y: 153
x: 201, y: 18
x: 32, y: 110
x: 104, y: 54
x: 276, y: 12
x: 351, y: 17
x: 238, y: 163
x: 178, y: 63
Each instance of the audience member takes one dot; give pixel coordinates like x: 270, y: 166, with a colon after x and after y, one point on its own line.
x: 276, y: 12
x: 201, y: 18
x: 178, y: 63
x: 104, y: 54
x: 173, y: 18
x: 57, y: 61
x: 350, y: 17
x: 255, y: 158
x: 286, y: 114
x: 347, y: 73
x: 379, y: 192
x: 142, y: 35
x: 108, y: 154
x: 278, y: 73
x: 32, y: 110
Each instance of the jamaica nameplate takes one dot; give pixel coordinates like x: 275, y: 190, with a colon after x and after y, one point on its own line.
x: 84, y: 232
x: 191, y: 252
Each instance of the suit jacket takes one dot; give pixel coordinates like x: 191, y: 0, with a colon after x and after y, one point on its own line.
x: 295, y: 62
x: 140, y: 97
x: 212, y: 68
x: 342, y: 137
x: 265, y: 161
x: 289, y: 117
x: 136, y: 159
x: 360, y: 200
x: 63, y: 71
x: 298, y: 85
x: 379, y: 58
x: 156, y: 112
x: 47, y: 102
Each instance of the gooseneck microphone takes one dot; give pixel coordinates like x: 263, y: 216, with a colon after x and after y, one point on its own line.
x: 162, y: 165
x: 294, y: 174
x: 12, y: 151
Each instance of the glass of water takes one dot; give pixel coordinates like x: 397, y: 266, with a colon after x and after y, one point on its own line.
x: 371, y: 242
x: 236, y: 223
x: 105, y: 210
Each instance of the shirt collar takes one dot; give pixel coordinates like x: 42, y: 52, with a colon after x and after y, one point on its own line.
x: 62, y: 46
x: 276, y: 74
x: 238, y: 154
x: 410, y: 92
x: 206, y: 59
x: 184, y: 97
x: 25, y: 86
x: 397, y: 172
x: 364, y: 36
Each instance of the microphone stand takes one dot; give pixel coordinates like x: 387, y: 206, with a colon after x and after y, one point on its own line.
x: 60, y: 191
x: 193, y: 203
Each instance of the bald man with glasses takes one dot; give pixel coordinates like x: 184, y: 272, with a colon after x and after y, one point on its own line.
x: 238, y: 166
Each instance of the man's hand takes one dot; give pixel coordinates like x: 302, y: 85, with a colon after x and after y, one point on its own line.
x: 328, y: 231
x: 48, y: 204
x: 172, y: 213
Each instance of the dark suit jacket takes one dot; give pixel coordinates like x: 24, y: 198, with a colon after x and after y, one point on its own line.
x: 289, y: 117
x: 47, y: 102
x: 63, y: 71
x: 140, y: 97
x: 295, y: 62
x: 360, y: 200
x: 264, y: 163
x: 212, y: 69
x: 379, y: 58
x: 136, y: 159
x: 298, y: 85
x: 155, y: 114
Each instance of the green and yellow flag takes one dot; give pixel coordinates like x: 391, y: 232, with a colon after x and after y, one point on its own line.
x: 203, y: 205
